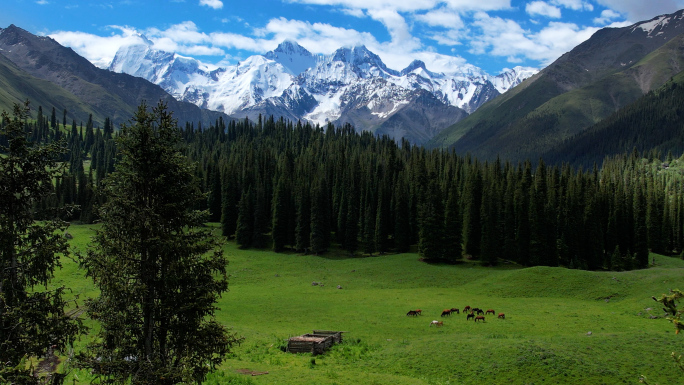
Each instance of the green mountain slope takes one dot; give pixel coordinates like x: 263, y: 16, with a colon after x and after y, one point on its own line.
x: 654, y: 122
x: 105, y: 93
x: 16, y: 86
x: 613, y: 68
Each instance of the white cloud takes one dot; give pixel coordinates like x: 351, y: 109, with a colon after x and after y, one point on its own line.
x: 216, y: 4
x: 441, y: 18
x: 397, y: 27
x: 575, y: 5
x: 638, y: 10
x: 543, y: 9
x: 356, y: 12
x: 42, y: 2
x: 414, y: 5
x: 607, y: 15
x: 506, y: 38
x: 100, y: 50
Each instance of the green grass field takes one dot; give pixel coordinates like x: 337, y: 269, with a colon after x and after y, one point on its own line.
x: 543, y: 340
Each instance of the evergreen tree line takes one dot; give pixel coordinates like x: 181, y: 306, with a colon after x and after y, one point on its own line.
x: 652, y: 125
x: 292, y: 186
x: 85, y: 145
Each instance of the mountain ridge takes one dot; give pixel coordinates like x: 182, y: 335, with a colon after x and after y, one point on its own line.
x: 608, y: 71
x: 107, y: 94
x: 298, y: 85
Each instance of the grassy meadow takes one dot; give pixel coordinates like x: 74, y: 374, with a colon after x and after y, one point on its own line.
x: 544, y: 339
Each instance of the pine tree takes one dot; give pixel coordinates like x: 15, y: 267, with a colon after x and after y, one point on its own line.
x: 279, y: 215
x: 31, y: 321
x: 244, y: 229
x: 159, y: 272
x: 472, y: 227
x: 453, y: 230
x: 320, y: 218
x: 431, y: 233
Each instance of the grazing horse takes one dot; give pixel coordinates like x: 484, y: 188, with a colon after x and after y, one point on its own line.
x: 469, y: 316
x: 480, y: 317
x: 412, y: 313
x: 490, y: 311
x: 437, y: 323
x: 420, y: 312
x: 502, y: 315
x: 480, y: 311
x: 465, y: 309
x: 475, y: 309
x: 454, y: 310
x: 446, y: 312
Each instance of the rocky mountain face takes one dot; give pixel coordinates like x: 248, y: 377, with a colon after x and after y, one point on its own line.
x: 613, y: 68
x: 101, y: 92
x: 352, y: 85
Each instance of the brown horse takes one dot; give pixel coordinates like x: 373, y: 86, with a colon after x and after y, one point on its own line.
x: 490, y: 311
x: 480, y: 317
x: 465, y: 309
x: 469, y: 316
x: 454, y: 310
x: 479, y: 311
x: 502, y: 315
x: 412, y: 313
x: 420, y: 312
x: 437, y: 323
x: 446, y: 312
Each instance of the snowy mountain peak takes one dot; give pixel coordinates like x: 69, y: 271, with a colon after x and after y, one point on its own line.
x: 512, y: 77
x: 145, y: 39
x: 413, y: 66
x: 658, y: 24
x: 292, y: 56
x: 350, y: 85
x: 288, y: 47
x: 363, y: 62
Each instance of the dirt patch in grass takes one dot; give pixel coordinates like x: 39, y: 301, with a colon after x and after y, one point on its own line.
x: 250, y: 372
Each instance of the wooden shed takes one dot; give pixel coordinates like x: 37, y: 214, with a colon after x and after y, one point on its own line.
x: 317, y: 342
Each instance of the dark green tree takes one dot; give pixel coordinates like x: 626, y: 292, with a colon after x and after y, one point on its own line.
x: 244, y: 229
x: 472, y: 203
x: 431, y: 221
x: 158, y: 270
x: 31, y: 321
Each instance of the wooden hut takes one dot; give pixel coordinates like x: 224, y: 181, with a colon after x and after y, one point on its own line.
x: 317, y: 342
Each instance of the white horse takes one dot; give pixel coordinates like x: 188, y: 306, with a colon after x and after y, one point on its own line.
x: 437, y: 323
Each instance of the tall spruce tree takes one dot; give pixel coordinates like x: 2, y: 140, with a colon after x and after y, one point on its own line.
x: 431, y: 220
x: 31, y: 321
x: 158, y: 270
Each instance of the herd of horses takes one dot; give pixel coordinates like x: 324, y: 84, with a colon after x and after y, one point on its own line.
x: 473, y: 313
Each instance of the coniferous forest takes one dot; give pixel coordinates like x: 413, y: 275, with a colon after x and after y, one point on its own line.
x: 287, y: 185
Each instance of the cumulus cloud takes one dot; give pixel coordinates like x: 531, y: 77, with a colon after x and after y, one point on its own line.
x: 216, y: 4
x: 506, y: 38
x: 100, y: 50
x: 414, y: 5
x: 542, y: 9
x: 638, y: 10
x: 445, y: 18
x: 575, y: 5
x: 607, y: 15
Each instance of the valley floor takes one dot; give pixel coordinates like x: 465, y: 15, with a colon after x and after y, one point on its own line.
x: 562, y: 326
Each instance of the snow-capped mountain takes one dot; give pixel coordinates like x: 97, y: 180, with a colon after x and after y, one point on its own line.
x: 352, y: 85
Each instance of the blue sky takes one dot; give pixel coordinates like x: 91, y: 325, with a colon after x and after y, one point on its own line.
x: 490, y: 34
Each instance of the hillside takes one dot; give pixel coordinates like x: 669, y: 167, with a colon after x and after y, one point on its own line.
x: 101, y: 92
x: 550, y: 313
x: 610, y: 70
x: 16, y: 86
x: 653, y: 123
